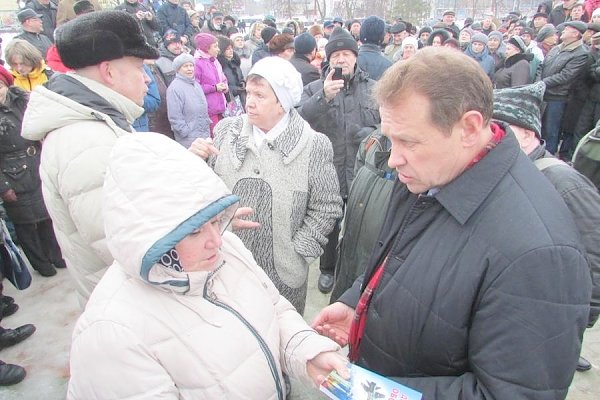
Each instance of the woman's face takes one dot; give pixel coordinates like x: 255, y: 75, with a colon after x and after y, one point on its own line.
x: 228, y: 52
x: 213, y: 50
x: 187, y: 69
x: 477, y: 47
x: 201, y: 250
x: 464, y: 37
x: 17, y: 64
x: 596, y: 19
x: 239, y: 42
x: 493, y: 43
x: 436, y: 42
x: 408, y: 51
x: 257, y: 32
x: 262, y: 107
x: 511, y: 50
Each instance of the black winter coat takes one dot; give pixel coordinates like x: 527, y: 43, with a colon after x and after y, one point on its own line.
x: 514, y: 72
x: 235, y: 77
x: 172, y: 16
x: 486, y: 291
x: 48, y: 17
x: 20, y: 162
x: 342, y: 119
x: 309, y: 72
x: 149, y: 27
x: 562, y: 67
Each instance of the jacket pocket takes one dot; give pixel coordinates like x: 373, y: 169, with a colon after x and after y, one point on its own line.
x: 21, y: 174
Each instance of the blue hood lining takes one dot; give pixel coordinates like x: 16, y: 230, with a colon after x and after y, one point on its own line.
x: 188, y: 226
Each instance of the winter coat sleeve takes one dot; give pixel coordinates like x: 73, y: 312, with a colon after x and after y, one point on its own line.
x: 199, y: 76
x: 313, y: 105
x: 152, y: 98
x: 569, y: 72
x: 161, y: 16
x: 94, y: 351
x: 524, y: 332
x: 324, y: 201
x: 175, y: 106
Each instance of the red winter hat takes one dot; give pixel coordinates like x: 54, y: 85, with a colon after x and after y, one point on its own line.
x: 6, y: 76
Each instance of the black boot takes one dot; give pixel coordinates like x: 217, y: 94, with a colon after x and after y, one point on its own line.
x: 46, y: 270
x: 325, y: 283
x: 7, y: 309
x: 10, y: 337
x: 6, y: 300
x: 10, y: 374
x: 583, y: 365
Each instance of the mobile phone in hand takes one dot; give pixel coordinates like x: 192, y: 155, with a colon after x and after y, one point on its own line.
x: 337, y: 74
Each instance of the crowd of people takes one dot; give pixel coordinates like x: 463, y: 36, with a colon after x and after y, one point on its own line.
x: 191, y: 170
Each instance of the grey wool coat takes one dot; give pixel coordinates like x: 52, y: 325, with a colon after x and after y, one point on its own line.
x: 292, y: 186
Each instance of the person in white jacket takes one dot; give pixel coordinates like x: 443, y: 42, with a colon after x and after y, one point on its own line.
x: 79, y: 116
x: 184, y: 312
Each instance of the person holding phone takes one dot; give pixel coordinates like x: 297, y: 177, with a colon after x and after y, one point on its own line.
x: 339, y: 106
x: 145, y: 18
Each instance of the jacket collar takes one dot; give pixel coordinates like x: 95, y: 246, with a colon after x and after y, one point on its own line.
x: 571, y: 46
x: 290, y: 142
x: 465, y: 194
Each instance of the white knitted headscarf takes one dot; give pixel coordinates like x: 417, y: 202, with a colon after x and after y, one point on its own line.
x: 283, y: 77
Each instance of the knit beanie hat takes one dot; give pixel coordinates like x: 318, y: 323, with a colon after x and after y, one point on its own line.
x: 424, y: 29
x: 546, y: 31
x: 6, y: 76
x: 479, y: 37
x: 518, y: 43
x: 496, y: 34
x: 521, y: 106
x: 283, y: 77
x: 204, y: 41
x: 596, y: 12
x: 182, y: 59
x: 280, y: 43
x: 101, y: 36
x: 267, y: 34
x: 305, y: 43
x: 410, y: 40
x: 468, y: 30
x: 372, y: 30
x: 340, y: 40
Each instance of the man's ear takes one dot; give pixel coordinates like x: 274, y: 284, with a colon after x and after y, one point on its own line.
x: 106, y: 73
x: 471, y: 125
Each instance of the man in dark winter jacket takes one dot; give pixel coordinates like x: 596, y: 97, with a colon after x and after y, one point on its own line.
x: 47, y: 9
x: 339, y: 108
x: 475, y: 289
x: 520, y: 108
x: 172, y: 16
x: 370, y: 58
x: 144, y: 16
x: 32, y: 26
x: 170, y: 48
x: 562, y: 67
x: 306, y: 46
x: 561, y: 12
x: 262, y: 50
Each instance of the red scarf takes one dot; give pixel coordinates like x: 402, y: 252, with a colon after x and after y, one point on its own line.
x: 360, y: 312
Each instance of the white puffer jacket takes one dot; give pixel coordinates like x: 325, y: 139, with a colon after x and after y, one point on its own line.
x: 76, y: 142
x: 149, y: 331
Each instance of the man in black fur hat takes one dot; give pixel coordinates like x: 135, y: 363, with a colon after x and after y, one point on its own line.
x: 79, y: 117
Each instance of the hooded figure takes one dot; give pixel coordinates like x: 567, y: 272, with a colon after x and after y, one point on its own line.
x: 184, y: 311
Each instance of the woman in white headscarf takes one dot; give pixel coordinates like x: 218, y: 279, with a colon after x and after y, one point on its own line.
x: 284, y: 171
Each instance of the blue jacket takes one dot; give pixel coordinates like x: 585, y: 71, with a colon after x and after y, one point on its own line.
x: 372, y: 61
x: 187, y: 110
x: 484, y: 59
x: 151, y: 103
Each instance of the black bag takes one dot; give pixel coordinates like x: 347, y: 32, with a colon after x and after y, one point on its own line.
x: 12, y: 262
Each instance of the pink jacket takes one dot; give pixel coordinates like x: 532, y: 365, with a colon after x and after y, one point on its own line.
x: 208, y: 73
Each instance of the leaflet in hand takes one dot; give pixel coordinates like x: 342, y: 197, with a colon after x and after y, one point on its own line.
x: 365, y: 385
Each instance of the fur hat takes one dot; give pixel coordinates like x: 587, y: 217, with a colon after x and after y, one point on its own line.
x: 83, y: 7
x: 283, y: 78
x: 479, y: 37
x: 281, y: 43
x: 547, y: 30
x: 445, y: 35
x: 6, y: 76
x: 520, y: 106
x: 101, y: 36
x: 372, y: 30
x: 267, y: 34
x: 204, y: 41
x: 518, y: 43
x: 182, y: 59
x: 305, y: 43
x: 340, y: 40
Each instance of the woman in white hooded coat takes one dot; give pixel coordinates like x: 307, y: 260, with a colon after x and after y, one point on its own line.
x: 184, y: 312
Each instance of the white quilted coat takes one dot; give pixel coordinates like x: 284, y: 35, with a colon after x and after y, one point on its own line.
x: 151, y: 332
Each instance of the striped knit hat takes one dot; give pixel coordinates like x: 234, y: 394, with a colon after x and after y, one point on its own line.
x: 520, y: 106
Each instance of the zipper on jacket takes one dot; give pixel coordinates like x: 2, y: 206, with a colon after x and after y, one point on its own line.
x: 263, y: 345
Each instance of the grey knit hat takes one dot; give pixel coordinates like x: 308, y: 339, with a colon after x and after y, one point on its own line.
x: 479, y: 37
x: 547, y: 30
x: 521, y: 106
x: 497, y: 34
x: 182, y: 59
